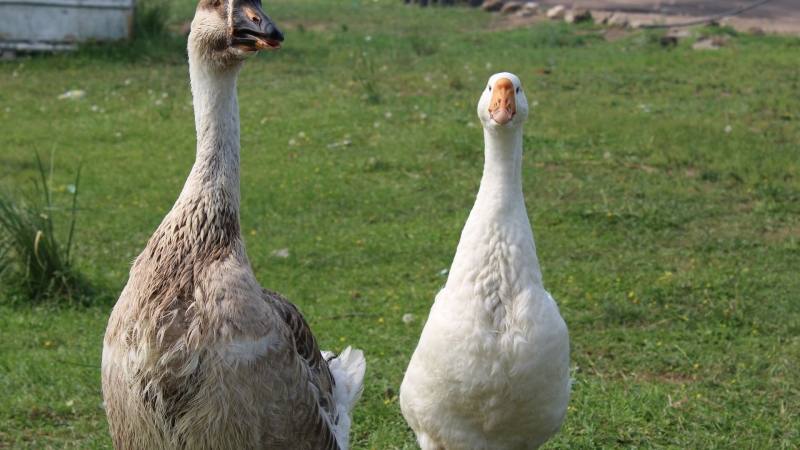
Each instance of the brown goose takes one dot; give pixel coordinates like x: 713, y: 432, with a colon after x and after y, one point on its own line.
x: 196, y: 354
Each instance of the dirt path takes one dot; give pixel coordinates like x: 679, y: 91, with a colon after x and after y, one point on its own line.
x: 776, y: 16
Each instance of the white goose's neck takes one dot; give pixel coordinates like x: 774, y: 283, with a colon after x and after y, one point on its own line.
x: 498, y: 221
x: 501, y: 185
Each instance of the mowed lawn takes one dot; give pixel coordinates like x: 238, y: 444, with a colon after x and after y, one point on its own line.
x: 662, y: 186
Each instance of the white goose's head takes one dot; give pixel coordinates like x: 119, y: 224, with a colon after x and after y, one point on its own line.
x: 503, y: 105
x: 225, y: 32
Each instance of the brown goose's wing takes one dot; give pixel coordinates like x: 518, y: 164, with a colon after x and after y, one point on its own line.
x: 307, y: 348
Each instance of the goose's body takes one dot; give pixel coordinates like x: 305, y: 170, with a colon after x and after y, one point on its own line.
x: 491, y: 370
x: 196, y: 354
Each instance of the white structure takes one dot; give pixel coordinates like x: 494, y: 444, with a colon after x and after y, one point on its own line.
x: 60, y: 24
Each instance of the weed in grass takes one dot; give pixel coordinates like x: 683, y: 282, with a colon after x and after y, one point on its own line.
x: 31, y: 259
x: 365, y: 74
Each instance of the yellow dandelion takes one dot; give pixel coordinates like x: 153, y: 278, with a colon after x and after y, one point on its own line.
x: 380, y: 319
x: 342, y: 339
x: 630, y: 294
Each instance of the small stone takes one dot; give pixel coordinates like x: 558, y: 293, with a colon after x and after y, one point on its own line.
x: 672, y: 37
x: 601, y: 18
x: 617, y: 19
x: 556, y: 12
x: 75, y: 94
x: 492, y: 5
x: 530, y: 8
x: 705, y: 44
x: 577, y: 14
x: 281, y: 253
x: 511, y: 7
x: 756, y: 31
x: 679, y: 33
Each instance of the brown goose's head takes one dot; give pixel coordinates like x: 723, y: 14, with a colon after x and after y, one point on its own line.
x: 225, y: 32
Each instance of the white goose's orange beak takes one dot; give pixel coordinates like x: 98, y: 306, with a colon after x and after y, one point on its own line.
x: 503, y: 105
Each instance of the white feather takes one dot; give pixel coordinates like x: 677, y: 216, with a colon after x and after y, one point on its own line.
x: 348, y: 373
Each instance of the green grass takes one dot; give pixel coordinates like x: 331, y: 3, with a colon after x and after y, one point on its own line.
x: 33, y: 262
x: 670, y: 244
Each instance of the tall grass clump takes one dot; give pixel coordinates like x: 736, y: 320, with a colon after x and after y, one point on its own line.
x: 33, y: 264
x: 151, y: 19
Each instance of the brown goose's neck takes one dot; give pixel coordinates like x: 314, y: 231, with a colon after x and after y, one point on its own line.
x: 211, y: 193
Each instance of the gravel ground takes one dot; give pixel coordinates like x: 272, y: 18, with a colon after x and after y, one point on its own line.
x: 776, y: 16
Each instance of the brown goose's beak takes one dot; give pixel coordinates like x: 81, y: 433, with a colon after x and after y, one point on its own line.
x: 252, y: 29
x: 503, y: 105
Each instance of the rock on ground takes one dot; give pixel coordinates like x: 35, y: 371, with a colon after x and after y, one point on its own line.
x: 708, y: 44
x: 556, y: 12
x: 492, y: 5
x: 577, y: 14
x: 674, y: 36
x: 618, y: 19
x: 511, y: 7
x: 530, y: 9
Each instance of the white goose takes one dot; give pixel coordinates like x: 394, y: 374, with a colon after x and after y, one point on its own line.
x: 491, y: 370
x: 196, y: 354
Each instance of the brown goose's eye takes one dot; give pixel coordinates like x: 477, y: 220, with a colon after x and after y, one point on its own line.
x: 216, y: 3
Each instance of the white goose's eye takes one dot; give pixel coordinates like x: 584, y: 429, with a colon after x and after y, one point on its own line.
x: 517, y: 90
x: 489, y: 87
